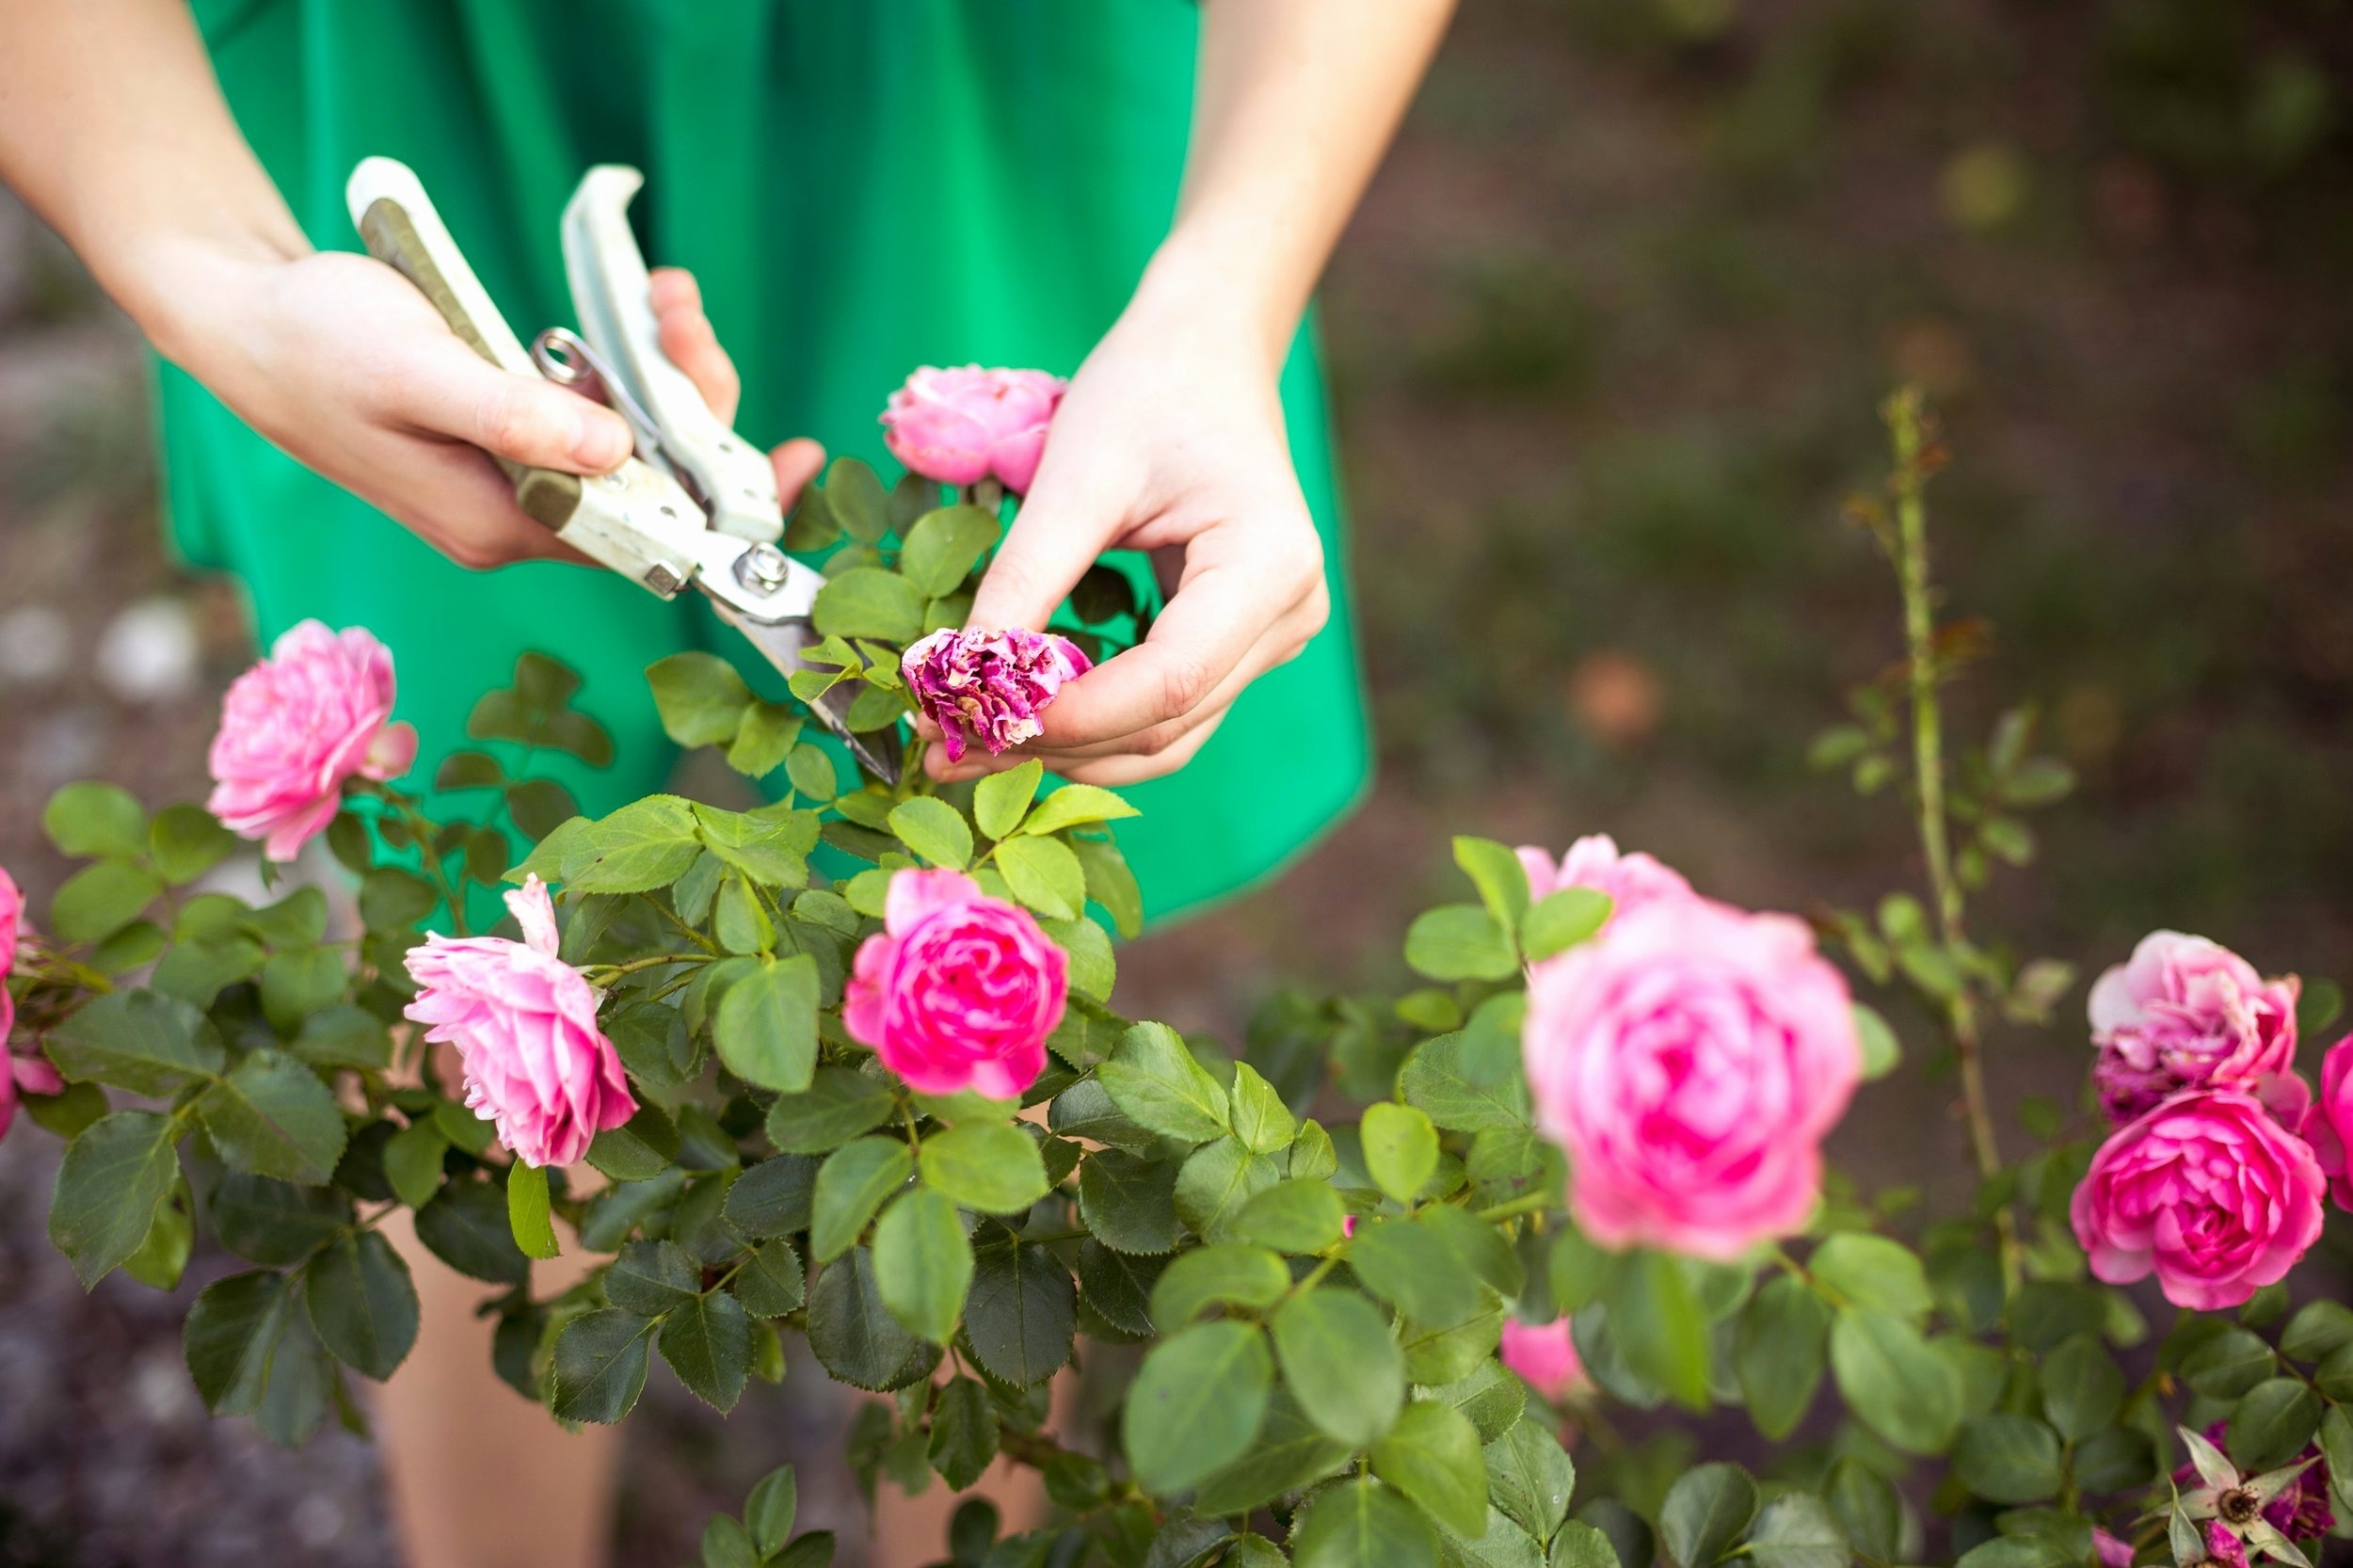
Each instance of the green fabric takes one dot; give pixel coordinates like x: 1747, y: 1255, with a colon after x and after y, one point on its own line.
x: 862, y: 189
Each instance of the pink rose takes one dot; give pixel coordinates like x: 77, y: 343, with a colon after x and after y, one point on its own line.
x: 960, y: 425
x: 2185, y: 1012
x: 2208, y: 1191
x: 1545, y: 1355
x: 295, y: 725
x: 524, y: 1023
x: 2113, y: 1551
x: 2224, y: 1546
x: 1690, y: 1059
x: 959, y: 991
x: 11, y: 923
x: 988, y: 687
x: 29, y: 1072
x: 1593, y: 861
x: 2327, y: 1127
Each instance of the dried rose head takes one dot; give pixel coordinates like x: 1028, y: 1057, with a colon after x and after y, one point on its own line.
x: 988, y: 687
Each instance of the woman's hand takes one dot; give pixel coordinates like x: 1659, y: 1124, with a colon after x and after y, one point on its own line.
x: 1169, y: 440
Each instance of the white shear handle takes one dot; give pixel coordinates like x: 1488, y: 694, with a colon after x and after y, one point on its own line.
x: 613, y: 296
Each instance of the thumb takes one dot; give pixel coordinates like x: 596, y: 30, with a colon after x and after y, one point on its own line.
x: 453, y: 391
x: 1061, y: 527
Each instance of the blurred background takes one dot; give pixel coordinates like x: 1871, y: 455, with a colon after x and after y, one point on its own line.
x: 1608, y: 337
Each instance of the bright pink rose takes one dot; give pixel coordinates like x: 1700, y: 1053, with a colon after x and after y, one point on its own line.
x: 2328, y: 1124
x: 958, y: 991
x: 1545, y: 1355
x: 960, y: 425
x: 1593, y: 861
x: 524, y: 1023
x: 2209, y: 1191
x: 11, y: 922
x: 988, y: 687
x: 2185, y: 1012
x: 295, y: 725
x: 1690, y: 1059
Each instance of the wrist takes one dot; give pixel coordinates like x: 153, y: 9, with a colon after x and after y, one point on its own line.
x: 186, y: 293
x: 1212, y: 292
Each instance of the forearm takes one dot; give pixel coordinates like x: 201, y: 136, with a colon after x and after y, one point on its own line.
x: 113, y: 128
x: 1296, y: 102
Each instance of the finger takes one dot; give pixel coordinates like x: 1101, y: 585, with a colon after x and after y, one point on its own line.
x: 796, y: 462
x: 1228, y: 599
x: 1113, y: 771
x: 445, y: 389
x: 468, y: 510
x: 691, y: 343
x: 1063, y: 523
x: 1279, y: 646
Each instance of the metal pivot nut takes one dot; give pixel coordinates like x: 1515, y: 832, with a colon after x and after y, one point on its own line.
x: 763, y: 568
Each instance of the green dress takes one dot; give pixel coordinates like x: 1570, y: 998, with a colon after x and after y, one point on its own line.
x: 863, y: 186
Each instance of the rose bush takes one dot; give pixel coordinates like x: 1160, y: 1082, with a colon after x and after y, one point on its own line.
x: 848, y: 1066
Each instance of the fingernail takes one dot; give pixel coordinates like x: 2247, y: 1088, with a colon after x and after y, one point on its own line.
x: 600, y: 440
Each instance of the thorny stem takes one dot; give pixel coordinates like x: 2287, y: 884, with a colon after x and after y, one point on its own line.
x: 1907, y: 424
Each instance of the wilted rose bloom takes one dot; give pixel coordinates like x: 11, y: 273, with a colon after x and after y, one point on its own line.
x: 2328, y: 1124
x: 2302, y: 1512
x: 295, y: 725
x: 959, y: 991
x: 524, y: 1023
x: 1543, y: 1354
x: 2224, y: 1546
x: 2185, y: 1012
x: 2209, y: 1191
x: 988, y: 687
x: 1689, y: 1061
x: 960, y: 425
x: 1593, y: 861
x: 2113, y: 1551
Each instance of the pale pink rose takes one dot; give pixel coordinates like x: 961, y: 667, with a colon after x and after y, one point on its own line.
x: 958, y: 990
x: 2185, y: 1012
x: 1690, y: 1059
x: 960, y: 425
x: 292, y: 728
x: 1593, y: 861
x: 524, y: 1023
x: 2113, y: 1551
x: 988, y: 687
x: 2208, y: 1192
x: 1543, y: 1354
x: 2328, y: 1124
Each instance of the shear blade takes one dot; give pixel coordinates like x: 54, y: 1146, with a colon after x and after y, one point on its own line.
x: 879, y: 752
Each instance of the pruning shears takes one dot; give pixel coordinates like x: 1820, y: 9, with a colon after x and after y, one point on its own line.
x: 697, y: 506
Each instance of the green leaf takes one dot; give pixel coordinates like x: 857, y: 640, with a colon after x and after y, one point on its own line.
x: 2225, y: 1365
x: 2318, y: 1329
x: 1342, y: 1367
x: 999, y: 799
x: 1433, y: 1080
x: 644, y: 845
x: 1020, y: 1313
x: 1882, y: 1051
x: 1087, y: 946
x: 1401, y: 1150
x: 1129, y: 1202
x: 1660, y: 1326
x: 770, y: 848
x: 923, y: 1263
x: 116, y: 1174
x: 138, y: 1040
x: 465, y: 1227
x: 1113, y: 884
x: 1289, y: 1216
x: 989, y: 1166
x: 1075, y: 806
x: 774, y: 1197
x: 1223, y: 1274
x: 856, y: 500
x: 768, y: 1511
x: 938, y: 552
x: 1157, y: 1085
x: 272, y: 1116
x: 1561, y: 919
x: 639, y: 1150
x: 2336, y: 1447
x: 1704, y: 1512
x: 362, y: 1304
x: 766, y: 1025
x: 851, y: 1185
x: 773, y: 1281
x: 1873, y: 1271
x: 1216, y: 1180
x: 275, y: 1223
x: 1496, y: 872
x: 700, y: 697
x: 810, y: 772
x: 1433, y: 1455
x: 764, y: 739
x: 2273, y: 1423
x: 87, y: 819
x: 1413, y: 1269
x: 527, y: 1213
x: 1894, y: 1379
x: 651, y: 1277
x: 1778, y: 1353
x: 852, y: 1331
x: 1196, y: 1404
x: 869, y: 601
x: 2009, y: 1459
x: 2082, y: 1388
x: 344, y: 1036
x: 601, y: 1362
x: 1460, y: 941
x: 1491, y: 1399
x: 1362, y: 1523
x: 232, y: 1328
x: 934, y: 830
x: 185, y: 842
x: 707, y: 1343
x: 1260, y: 1118
x: 838, y: 1104
x: 412, y: 1161
x: 299, y: 981
x: 964, y: 1433
x: 1796, y: 1531
x: 1044, y: 874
